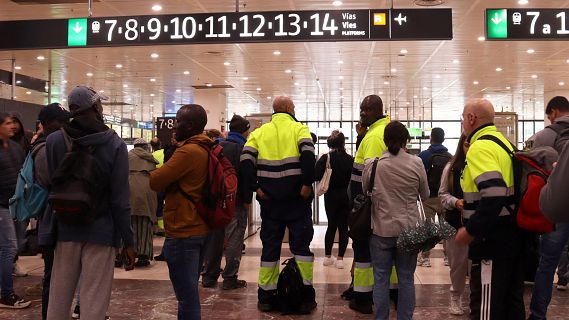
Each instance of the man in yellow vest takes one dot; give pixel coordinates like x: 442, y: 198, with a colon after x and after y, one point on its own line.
x: 496, y: 283
x: 372, y: 145
x: 278, y: 163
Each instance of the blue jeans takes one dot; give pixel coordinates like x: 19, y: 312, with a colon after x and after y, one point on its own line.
x: 384, y: 255
x: 8, y: 249
x: 184, y: 257
x: 562, y: 268
x: 551, y: 247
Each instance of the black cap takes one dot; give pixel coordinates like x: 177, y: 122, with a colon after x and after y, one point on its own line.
x: 53, y: 112
x: 239, y: 124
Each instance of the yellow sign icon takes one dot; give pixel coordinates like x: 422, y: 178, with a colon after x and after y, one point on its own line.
x: 379, y: 19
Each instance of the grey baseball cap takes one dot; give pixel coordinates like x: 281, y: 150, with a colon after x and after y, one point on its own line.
x: 83, y: 98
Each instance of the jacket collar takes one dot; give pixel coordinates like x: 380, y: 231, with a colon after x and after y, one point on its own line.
x: 380, y: 123
x: 236, y: 137
x: 479, y: 132
x: 283, y: 115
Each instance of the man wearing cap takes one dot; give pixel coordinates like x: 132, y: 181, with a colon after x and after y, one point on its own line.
x: 89, y: 250
x: 234, y: 232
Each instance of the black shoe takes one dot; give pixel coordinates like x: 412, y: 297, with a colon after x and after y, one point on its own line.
x: 209, y: 283
x: 306, y: 308
x: 348, y: 294
x: 361, y: 307
x: 118, y: 263
x: 13, y: 301
x: 160, y: 257
x: 76, y: 312
x: 265, y: 307
x: 140, y: 263
x: 234, y: 284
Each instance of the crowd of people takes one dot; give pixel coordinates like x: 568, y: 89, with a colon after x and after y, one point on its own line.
x: 152, y: 188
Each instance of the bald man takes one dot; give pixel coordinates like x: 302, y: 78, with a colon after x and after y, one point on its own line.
x: 278, y: 163
x: 496, y: 283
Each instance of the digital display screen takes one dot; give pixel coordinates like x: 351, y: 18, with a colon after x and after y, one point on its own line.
x: 527, y: 24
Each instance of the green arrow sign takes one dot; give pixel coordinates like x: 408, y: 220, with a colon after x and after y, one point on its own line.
x: 497, y: 23
x: 77, y: 32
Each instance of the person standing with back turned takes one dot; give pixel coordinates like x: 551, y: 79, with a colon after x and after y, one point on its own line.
x: 278, y: 163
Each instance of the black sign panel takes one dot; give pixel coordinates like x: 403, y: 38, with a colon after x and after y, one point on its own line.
x: 165, y: 127
x: 234, y: 27
x: 527, y: 24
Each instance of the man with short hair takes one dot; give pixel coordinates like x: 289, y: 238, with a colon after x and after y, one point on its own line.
x: 184, y: 176
x: 88, y: 250
x: 278, y: 163
x: 553, y: 245
x: 496, y: 283
x: 434, y: 160
x: 234, y: 232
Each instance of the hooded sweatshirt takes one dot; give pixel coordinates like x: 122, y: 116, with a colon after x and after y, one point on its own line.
x: 113, y: 225
x: 11, y: 160
x: 23, y: 137
x: 548, y: 137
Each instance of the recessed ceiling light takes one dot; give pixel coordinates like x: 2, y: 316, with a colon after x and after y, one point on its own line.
x: 178, y: 90
x: 288, y: 71
x: 18, y: 81
x: 89, y: 74
x: 18, y: 68
x: 393, y: 70
x: 337, y: 3
x: 152, y: 106
x: 403, y: 51
x: 64, y: 81
x: 475, y: 82
x: 102, y: 91
x: 173, y: 101
x: 154, y: 55
x: 341, y: 77
x: 438, y: 76
x: 386, y: 82
x: 227, y: 63
x: 129, y: 99
x: 269, y: 98
x: 186, y: 72
x: 508, y: 88
x: 481, y: 38
x: 125, y: 85
x: 414, y: 97
x: 152, y: 80
x: 341, y: 89
x: 259, y: 89
x: 530, y: 51
x: 408, y: 103
x: 340, y: 62
x: 156, y: 7
x: 245, y: 78
x: 209, y: 84
x: 522, y: 2
x: 40, y: 58
x: 276, y: 52
x: 296, y: 84
x: 499, y: 69
x: 534, y: 76
x: 152, y: 94
x: 455, y: 61
x: 425, y: 88
x: 381, y: 92
x: 561, y: 83
x: 28, y: 92
x: 341, y: 97
x: 63, y: 100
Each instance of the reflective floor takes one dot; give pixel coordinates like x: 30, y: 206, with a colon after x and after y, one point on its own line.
x: 146, y: 293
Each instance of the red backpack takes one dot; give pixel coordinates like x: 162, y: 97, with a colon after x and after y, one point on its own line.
x: 220, y: 190
x: 531, y: 171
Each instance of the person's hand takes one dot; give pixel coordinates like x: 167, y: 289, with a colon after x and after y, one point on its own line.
x: 261, y: 194
x: 305, y: 192
x: 128, y: 254
x: 463, y: 237
x: 555, y: 164
x: 459, y: 204
x: 360, y: 130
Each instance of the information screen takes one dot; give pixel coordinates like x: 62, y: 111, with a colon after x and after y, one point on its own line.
x: 527, y: 24
x: 233, y: 27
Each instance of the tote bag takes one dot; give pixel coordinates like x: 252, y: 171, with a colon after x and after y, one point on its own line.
x: 325, y: 181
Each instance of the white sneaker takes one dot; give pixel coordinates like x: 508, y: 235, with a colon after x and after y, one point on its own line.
x: 18, y: 271
x: 328, y: 261
x: 455, y: 307
x: 340, y: 264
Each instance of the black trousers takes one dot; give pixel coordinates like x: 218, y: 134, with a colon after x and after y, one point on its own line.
x: 502, y: 299
x: 337, y: 207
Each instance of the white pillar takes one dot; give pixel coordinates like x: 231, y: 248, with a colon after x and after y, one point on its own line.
x: 214, y: 102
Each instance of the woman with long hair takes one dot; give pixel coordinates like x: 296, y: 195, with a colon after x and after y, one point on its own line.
x: 452, y: 199
x: 336, y: 199
x: 400, y: 179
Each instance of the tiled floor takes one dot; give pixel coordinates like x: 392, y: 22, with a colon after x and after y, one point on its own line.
x: 147, y: 293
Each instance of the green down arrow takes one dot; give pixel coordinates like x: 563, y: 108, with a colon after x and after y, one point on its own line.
x: 77, y: 32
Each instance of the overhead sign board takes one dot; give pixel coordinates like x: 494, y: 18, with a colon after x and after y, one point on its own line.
x: 527, y: 24
x: 233, y: 27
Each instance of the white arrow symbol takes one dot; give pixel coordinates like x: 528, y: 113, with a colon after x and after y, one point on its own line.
x: 497, y: 19
x: 77, y: 28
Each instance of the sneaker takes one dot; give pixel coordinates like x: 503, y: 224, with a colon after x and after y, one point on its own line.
x: 76, y: 312
x: 141, y: 263
x: 14, y: 302
x: 426, y: 263
x: 455, y: 307
x: 160, y: 257
x: 209, y: 283
x: 237, y: 284
x: 340, y: 264
x: 18, y: 271
x: 328, y: 261
x: 306, y: 308
x: 362, y: 307
x: 446, y: 261
x: 35, y: 290
x: 562, y: 285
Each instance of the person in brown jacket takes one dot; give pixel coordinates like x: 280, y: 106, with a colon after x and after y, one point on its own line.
x: 185, y: 230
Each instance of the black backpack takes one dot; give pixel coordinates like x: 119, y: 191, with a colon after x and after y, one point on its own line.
x: 290, y: 287
x: 562, y: 130
x: 78, y: 186
x: 437, y: 163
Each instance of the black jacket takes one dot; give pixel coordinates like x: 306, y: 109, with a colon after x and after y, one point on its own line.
x: 341, y: 164
x: 11, y: 161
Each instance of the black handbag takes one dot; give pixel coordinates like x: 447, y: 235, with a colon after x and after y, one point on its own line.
x: 359, y: 220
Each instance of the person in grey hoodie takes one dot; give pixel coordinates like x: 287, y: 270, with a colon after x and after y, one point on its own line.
x: 553, y: 199
x: 89, y: 250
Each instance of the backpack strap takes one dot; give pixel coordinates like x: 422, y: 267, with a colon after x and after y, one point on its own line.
x: 187, y: 196
x: 558, y: 127
x: 500, y: 143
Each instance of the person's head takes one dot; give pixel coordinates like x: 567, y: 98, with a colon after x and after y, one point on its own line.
x: 155, y: 144
x: 213, y: 133
x: 240, y: 125
x: 314, y: 137
x: 190, y: 121
x: 371, y: 110
x: 459, y: 157
x: 141, y: 143
x: 6, y: 126
x: 337, y: 141
x: 53, y: 117
x: 396, y: 137
x: 85, y: 101
x: 17, y: 126
x: 437, y: 136
x: 476, y: 113
x: 557, y: 107
x: 283, y: 104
